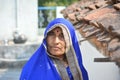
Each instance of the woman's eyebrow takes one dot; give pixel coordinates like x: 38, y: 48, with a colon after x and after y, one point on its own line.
x: 51, y: 32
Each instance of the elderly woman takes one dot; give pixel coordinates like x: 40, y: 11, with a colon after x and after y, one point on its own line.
x: 58, y: 57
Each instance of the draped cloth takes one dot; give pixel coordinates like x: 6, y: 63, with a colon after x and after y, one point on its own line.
x: 42, y: 66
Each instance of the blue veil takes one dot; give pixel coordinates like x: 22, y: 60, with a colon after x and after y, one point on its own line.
x: 41, y: 67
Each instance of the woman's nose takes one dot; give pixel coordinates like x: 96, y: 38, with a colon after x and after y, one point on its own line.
x: 57, y: 40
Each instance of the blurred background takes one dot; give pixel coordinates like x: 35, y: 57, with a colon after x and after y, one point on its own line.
x: 22, y: 25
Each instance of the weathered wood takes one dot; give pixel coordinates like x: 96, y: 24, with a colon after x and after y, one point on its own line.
x: 104, y: 38
x: 98, y: 13
x: 90, y: 33
x: 116, y: 55
x: 101, y: 4
x: 113, y: 45
x: 103, y: 60
x: 109, y: 23
x: 117, y: 6
x: 72, y: 18
x: 98, y: 21
x: 92, y: 7
x: 82, y: 14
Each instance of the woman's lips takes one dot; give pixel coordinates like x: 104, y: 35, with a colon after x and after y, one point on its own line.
x: 56, y: 48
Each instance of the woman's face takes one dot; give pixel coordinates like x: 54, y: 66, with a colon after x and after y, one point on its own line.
x: 56, y: 42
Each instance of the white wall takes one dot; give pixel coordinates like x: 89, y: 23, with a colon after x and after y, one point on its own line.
x: 58, y: 11
x: 7, y: 18
x: 21, y: 14
x: 98, y: 70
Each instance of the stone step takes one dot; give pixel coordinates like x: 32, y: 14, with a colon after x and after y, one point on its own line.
x: 12, y: 64
x: 15, y: 56
x: 10, y: 74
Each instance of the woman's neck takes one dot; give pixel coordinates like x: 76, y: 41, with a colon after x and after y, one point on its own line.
x: 62, y: 58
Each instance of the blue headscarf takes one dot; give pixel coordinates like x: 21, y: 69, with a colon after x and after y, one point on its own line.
x: 41, y: 67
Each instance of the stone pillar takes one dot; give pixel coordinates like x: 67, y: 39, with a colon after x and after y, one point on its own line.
x: 27, y: 13
x: 7, y: 18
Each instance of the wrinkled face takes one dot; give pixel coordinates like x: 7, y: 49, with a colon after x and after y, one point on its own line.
x: 56, y: 42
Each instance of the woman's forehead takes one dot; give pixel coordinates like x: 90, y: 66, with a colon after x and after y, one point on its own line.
x: 57, y: 29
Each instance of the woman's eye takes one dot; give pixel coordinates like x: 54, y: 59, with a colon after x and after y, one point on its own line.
x: 61, y: 36
x: 50, y: 33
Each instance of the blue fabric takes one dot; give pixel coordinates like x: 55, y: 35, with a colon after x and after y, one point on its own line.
x: 69, y: 73
x: 41, y: 67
